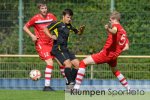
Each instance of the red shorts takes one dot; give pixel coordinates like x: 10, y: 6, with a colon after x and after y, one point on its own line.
x: 44, y: 51
x: 104, y: 57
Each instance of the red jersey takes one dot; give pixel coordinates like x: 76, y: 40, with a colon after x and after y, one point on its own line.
x: 39, y: 23
x: 116, y: 42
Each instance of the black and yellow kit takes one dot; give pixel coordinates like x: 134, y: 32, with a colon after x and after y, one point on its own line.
x: 60, y: 49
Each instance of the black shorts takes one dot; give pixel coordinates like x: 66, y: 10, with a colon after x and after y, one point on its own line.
x: 62, y: 53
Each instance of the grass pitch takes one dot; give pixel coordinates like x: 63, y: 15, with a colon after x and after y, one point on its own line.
x: 60, y: 95
x: 31, y: 95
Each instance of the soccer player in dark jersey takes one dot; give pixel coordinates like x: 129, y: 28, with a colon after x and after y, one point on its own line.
x: 116, y: 43
x: 43, y: 44
x: 60, y: 50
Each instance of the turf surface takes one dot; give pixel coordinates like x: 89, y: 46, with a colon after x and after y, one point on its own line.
x: 60, y: 95
x: 31, y: 95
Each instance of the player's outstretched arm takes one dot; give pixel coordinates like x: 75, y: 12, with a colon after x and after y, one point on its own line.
x: 81, y: 29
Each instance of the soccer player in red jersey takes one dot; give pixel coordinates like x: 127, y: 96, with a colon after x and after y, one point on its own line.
x: 116, y: 42
x: 43, y: 44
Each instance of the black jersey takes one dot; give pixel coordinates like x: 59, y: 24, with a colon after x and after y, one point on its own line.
x: 62, y: 31
x: 60, y: 50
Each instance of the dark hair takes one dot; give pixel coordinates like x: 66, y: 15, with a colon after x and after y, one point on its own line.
x: 68, y: 11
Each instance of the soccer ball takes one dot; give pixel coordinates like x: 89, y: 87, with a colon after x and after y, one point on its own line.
x: 35, y: 75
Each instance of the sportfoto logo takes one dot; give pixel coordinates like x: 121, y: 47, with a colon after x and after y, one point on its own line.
x: 110, y: 92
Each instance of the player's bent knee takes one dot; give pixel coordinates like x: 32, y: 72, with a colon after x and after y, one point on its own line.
x: 88, y: 60
x: 75, y: 63
x: 76, y: 66
x: 49, y: 62
x: 67, y: 63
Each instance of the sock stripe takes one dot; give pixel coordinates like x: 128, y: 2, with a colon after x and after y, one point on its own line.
x: 47, y: 78
x: 49, y: 67
x: 79, y: 79
x: 125, y: 83
x: 122, y: 80
x: 48, y: 72
x: 62, y: 67
x: 80, y: 74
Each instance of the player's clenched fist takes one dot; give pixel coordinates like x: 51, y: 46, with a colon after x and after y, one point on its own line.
x: 106, y: 26
x: 81, y: 29
x: 34, y: 38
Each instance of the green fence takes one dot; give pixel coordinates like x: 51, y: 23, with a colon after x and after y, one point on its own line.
x: 20, y: 66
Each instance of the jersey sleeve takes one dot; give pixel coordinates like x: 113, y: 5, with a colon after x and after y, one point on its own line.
x: 31, y: 22
x: 53, y: 25
x: 51, y: 15
x: 74, y: 29
x: 54, y: 17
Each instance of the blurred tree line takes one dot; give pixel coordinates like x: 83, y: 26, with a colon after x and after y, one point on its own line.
x: 92, y: 13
